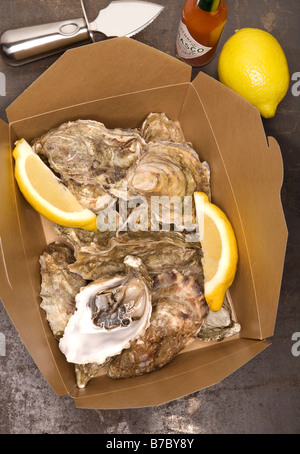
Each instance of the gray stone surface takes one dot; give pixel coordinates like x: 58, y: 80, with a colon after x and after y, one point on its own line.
x: 262, y: 396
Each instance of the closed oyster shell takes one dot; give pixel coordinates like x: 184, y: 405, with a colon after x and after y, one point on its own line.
x: 159, y: 251
x: 179, y: 308
x: 219, y: 325
x: 58, y: 286
x: 89, y: 195
x: 110, y: 314
x: 87, y: 156
x: 85, y: 372
x: 164, y: 176
x: 78, y: 238
x: 157, y: 127
x: 169, y: 169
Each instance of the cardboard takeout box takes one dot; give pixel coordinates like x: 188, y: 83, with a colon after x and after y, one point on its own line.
x: 119, y: 82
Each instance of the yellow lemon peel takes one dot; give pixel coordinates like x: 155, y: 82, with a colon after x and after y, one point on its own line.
x: 253, y: 64
x: 46, y: 194
x: 219, y: 246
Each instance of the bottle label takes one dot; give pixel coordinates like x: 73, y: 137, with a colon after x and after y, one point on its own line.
x: 186, y: 46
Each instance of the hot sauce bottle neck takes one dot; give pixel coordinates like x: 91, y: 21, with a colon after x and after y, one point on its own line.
x: 208, y: 5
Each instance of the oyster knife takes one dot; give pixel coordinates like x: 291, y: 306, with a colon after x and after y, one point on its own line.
x: 119, y: 18
x: 125, y: 18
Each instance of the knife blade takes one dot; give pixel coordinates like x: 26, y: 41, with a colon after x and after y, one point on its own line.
x: 125, y: 18
x: 119, y: 18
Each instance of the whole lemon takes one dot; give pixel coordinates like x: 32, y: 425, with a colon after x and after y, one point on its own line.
x: 253, y: 64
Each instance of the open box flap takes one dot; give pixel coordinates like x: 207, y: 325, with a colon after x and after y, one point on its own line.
x: 4, y: 203
x: 17, y: 287
x: 255, y: 173
x: 184, y: 375
x: 76, y: 77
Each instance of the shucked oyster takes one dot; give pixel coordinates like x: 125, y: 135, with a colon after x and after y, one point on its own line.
x: 58, y: 290
x: 110, y: 314
x: 179, y: 308
x: 157, y: 127
x: 59, y: 286
x: 87, y: 156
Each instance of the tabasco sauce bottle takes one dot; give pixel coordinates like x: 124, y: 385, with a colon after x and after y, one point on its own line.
x: 200, y: 29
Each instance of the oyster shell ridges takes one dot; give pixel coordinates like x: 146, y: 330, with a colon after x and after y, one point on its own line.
x: 179, y: 308
x: 87, y: 156
x: 96, y: 164
x: 159, y: 251
x: 157, y: 127
x: 58, y: 286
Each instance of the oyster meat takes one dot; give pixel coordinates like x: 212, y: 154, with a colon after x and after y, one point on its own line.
x: 58, y: 286
x: 157, y: 127
x: 179, y: 308
x: 110, y: 314
x: 87, y: 156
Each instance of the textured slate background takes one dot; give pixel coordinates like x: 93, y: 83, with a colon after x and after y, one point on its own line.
x: 262, y: 396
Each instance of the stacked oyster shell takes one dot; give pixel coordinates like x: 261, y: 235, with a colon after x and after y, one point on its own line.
x: 129, y: 298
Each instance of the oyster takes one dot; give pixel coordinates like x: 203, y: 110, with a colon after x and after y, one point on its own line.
x: 157, y: 127
x: 164, y: 176
x: 159, y: 251
x: 78, y: 238
x: 90, y: 195
x: 179, y: 308
x: 145, y: 302
x: 87, y: 156
x: 110, y: 314
x: 170, y: 169
x: 219, y: 325
x: 85, y: 372
x: 58, y: 286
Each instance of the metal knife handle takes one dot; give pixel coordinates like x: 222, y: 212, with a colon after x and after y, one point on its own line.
x: 23, y: 45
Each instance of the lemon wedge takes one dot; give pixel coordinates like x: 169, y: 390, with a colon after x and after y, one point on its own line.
x: 46, y: 194
x: 219, y: 246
